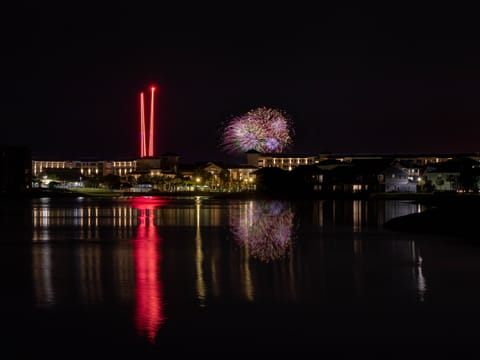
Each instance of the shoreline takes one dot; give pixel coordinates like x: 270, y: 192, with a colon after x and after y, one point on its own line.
x: 429, y: 199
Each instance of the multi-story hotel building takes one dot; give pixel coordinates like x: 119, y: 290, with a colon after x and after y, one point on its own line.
x: 287, y: 161
x: 283, y: 161
x: 87, y: 167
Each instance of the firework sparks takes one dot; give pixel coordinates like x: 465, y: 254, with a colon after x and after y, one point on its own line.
x: 262, y: 129
x: 265, y: 228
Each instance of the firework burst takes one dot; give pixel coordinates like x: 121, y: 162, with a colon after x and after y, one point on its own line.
x: 263, y: 129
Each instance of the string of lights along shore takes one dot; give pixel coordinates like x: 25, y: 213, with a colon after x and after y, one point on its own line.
x: 147, y: 131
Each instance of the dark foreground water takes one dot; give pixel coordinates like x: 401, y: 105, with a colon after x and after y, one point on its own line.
x: 159, y: 277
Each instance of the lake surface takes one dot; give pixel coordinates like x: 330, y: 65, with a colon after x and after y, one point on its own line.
x: 149, y: 276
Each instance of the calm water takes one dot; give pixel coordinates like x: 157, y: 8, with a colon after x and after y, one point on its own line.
x: 146, y: 277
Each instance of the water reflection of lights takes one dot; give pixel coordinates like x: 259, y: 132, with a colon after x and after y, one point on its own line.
x: 136, y: 268
x: 357, y: 216
x: 42, y: 274
x: 421, y: 282
x: 200, y: 280
x: 123, y: 215
x: 208, y: 259
x: 149, y: 309
x: 264, y: 227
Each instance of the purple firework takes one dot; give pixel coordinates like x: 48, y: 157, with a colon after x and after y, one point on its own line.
x: 262, y: 129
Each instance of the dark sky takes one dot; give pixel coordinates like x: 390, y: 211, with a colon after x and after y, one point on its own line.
x: 353, y: 79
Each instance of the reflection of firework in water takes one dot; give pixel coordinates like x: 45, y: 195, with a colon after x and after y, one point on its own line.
x: 265, y: 228
x: 262, y: 129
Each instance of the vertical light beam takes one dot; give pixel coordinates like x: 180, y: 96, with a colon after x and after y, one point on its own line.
x: 151, y: 132
x: 143, y: 144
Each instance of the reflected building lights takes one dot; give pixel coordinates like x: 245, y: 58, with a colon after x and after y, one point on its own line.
x: 140, y: 272
x: 200, y: 281
x: 421, y: 281
x: 400, y: 208
x: 86, y: 217
x: 417, y: 272
x: 357, y: 245
x: 334, y: 212
x: 207, y: 265
x: 89, y: 271
x: 42, y: 275
x: 124, y: 272
x: 357, y: 216
x: 263, y: 229
x: 419, y: 208
x: 247, y: 281
x: 358, y: 213
x: 318, y: 213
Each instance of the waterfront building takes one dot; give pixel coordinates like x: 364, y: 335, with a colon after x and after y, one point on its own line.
x: 398, y: 180
x: 86, y: 167
x: 283, y: 161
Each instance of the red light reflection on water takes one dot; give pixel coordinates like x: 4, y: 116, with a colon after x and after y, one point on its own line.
x: 146, y: 249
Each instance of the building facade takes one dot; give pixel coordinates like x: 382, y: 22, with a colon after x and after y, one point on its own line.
x: 282, y: 161
x: 86, y: 167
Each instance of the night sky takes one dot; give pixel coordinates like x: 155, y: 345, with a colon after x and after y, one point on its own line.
x: 379, y: 79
